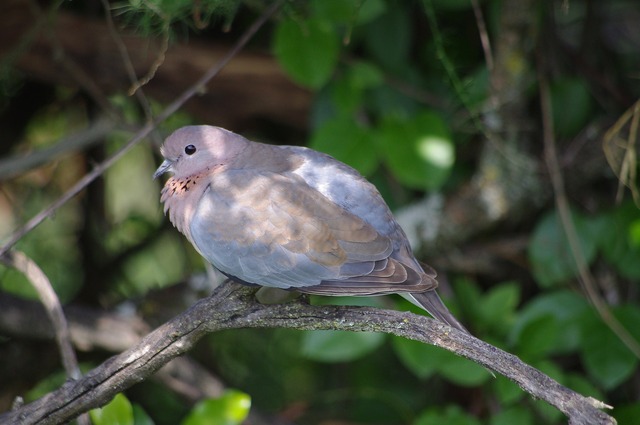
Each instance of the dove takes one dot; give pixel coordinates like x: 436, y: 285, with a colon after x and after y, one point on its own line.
x: 289, y: 217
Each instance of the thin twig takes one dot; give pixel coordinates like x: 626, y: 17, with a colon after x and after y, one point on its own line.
x: 40, y: 282
x: 135, y: 83
x: 53, y: 308
x: 564, y: 212
x: 625, y: 168
x: 126, y: 60
x: 484, y: 36
x: 19, y: 164
x: 137, y: 86
x: 194, y: 89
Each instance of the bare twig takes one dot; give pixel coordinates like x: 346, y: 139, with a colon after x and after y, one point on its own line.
x: 51, y: 303
x: 195, y: 88
x: 137, y: 85
x: 16, y: 165
x: 126, y: 60
x: 484, y: 36
x: 564, y: 212
x: 233, y: 306
x: 620, y: 151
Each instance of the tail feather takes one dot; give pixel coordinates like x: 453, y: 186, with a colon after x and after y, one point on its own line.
x: 431, y: 302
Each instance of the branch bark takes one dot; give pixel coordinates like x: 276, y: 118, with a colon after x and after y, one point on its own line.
x: 233, y: 306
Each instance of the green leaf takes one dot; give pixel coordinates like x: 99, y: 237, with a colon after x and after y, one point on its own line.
x: 467, y: 295
x: 451, y: 5
x: 347, y: 12
x: 369, y: 10
x: 339, y: 346
x: 54, y: 248
x: 340, y: 11
x: 231, y: 408
x: 566, y: 307
x: 477, y: 87
x: 346, y: 97
x: 571, y: 105
x: 421, y: 359
x: 629, y: 317
x: 619, y: 240
x: 308, y: 51
x: 581, y: 385
x: 373, y: 301
x: 604, y: 356
x: 348, y: 92
x: 627, y: 414
x: 634, y: 233
x: 364, y: 75
x: 388, y: 38
x: 451, y: 415
x: 140, y: 417
x: 386, y: 101
x: 424, y: 359
x: 499, y: 304
x: 462, y: 371
x: 419, y: 151
x: 549, y: 250
x: 513, y: 415
x: 538, y: 338
x: 118, y: 412
x: 507, y: 391
x: 348, y: 142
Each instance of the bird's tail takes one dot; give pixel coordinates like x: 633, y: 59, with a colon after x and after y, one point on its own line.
x: 431, y: 302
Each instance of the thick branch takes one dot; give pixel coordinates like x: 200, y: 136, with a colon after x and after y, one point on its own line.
x: 233, y: 306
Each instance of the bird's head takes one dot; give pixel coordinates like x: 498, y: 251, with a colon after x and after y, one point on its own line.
x: 193, y: 149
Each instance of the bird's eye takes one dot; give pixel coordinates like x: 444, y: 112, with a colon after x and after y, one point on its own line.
x: 190, y: 149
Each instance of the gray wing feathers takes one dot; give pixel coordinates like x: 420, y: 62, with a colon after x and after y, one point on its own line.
x: 285, y: 234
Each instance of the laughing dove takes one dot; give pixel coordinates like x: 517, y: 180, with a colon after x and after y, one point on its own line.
x: 289, y: 217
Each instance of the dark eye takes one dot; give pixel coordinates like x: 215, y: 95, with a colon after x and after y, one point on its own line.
x: 190, y: 149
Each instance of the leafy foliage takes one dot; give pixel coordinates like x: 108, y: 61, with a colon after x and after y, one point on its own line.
x: 118, y: 411
x: 402, y: 92
x: 339, y: 346
x: 551, y: 253
x: 229, y: 409
x: 309, y: 52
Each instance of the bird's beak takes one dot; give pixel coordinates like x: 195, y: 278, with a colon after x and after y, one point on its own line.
x: 163, y: 168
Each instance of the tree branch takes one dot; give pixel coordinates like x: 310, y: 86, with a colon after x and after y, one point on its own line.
x: 233, y: 306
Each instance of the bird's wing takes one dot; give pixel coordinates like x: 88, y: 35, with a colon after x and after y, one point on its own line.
x: 275, y: 230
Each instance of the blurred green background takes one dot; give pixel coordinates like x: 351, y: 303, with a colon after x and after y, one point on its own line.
x: 448, y: 127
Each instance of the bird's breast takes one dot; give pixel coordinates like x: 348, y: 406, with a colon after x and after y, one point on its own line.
x: 180, y: 197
